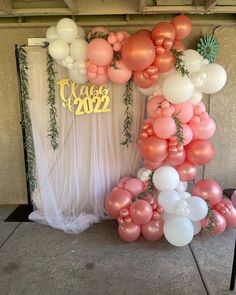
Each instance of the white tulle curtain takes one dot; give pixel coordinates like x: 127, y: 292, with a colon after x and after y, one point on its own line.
x: 74, y: 180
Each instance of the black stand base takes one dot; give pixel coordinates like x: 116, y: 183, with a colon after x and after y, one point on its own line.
x: 20, y: 214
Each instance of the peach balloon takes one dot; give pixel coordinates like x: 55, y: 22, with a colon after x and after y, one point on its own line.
x: 153, y: 230
x: 129, y: 232
x: 119, y: 74
x: 187, y: 134
x: 209, y: 190
x: 154, y: 149
x: 134, y: 186
x: 179, y: 45
x: 204, y: 129
x: 164, y: 127
x: 182, y: 25
x: 98, y: 79
x: 164, y: 29
x: 117, y: 200
x: 143, y: 81
x: 187, y: 171
x: 141, y: 211
x: 184, y: 111
x: 199, y: 152
x: 144, y: 32
x: 138, y: 52
x: 164, y: 62
x: 219, y: 223
x: 174, y: 159
x: 226, y: 209
x: 153, y: 104
x: 100, y: 52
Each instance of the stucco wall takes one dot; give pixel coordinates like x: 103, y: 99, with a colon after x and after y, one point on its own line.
x: 12, y: 174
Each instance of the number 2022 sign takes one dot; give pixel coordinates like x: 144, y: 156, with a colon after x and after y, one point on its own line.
x: 84, y: 99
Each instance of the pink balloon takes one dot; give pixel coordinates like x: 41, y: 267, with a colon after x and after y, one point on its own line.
x: 209, y: 190
x: 153, y: 104
x: 129, y: 232
x: 124, y: 179
x: 199, y: 152
x: 164, y: 127
x: 174, y: 159
x: 163, y: 29
x: 98, y: 79
x: 184, y: 111
x: 100, y: 29
x: 144, y: 32
x: 141, y: 80
x: 134, y: 186
x: 219, y: 223
x: 226, y: 209
x: 204, y: 129
x: 100, y: 52
x: 154, y: 149
x: 187, y: 134
x: 141, y: 211
x: 119, y: 74
x: 164, y: 62
x: 187, y: 171
x: 138, y: 52
x: 117, y: 200
x: 153, y: 230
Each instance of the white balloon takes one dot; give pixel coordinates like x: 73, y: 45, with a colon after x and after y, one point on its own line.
x: 58, y: 49
x: 67, y: 29
x: 83, y: 72
x: 215, y: 80
x: 196, y: 227
x: 69, y: 59
x: 181, y: 208
x: 78, y: 49
x: 178, y: 230
x: 77, y: 77
x: 81, y: 33
x: 198, y: 208
x: 192, y: 60
x: 80, y: 65
x: 59, y: 62
x: 183, y: 186
x: 184, y: 195
x: 51, y: 34
x: 69, y: 66
x: 177, y: 88
x: 143, y: 173
x: 146, y: 91
x: 166, y: 178
x: 168, y: 200
x: 196, y: 97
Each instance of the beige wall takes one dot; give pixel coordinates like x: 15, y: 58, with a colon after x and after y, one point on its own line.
x: 12, y: 174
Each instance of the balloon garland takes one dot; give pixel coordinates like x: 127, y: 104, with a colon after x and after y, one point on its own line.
x: 173, y: 140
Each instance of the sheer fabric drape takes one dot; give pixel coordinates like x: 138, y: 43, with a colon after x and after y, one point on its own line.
x: 74, y: 180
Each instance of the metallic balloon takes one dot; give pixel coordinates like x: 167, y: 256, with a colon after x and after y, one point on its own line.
x: 154, y: 149
x: 182, y: 25
x: 129, y: 232
x: 141, y: 211
x: 153, y: 230
x: 200, y: 152
x: 187, y: 171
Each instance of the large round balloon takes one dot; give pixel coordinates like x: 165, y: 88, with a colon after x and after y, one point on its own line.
x: 58, y: 49
x: 215, y: 80
x: 154, y: 149
x: 204, y: 129
x: 119, y: 74
x: 129, y: 232
x: 187, y: 171
x: 153, y: 230
x: 138, y: 52
x: 78, y: 49
x: 175, y: 159
x: 198, y: 208
x: 184, y: 111
x: 163, y: 29
x: 199, y: 152
x: 67, y: 29
x: 192, y: 60
x: 141, y: 211
x: 219, y: 225
x: 164, y: 62
x: 168, y: 199
x: 100, y: 52
x: 166, y: 178
x: 182, y: 25
x: 51, y: 34
x: 164, y: 127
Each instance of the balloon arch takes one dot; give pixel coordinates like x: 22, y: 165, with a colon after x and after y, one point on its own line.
x: 173, y: 140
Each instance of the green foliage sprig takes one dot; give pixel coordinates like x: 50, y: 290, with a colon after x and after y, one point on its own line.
x: 149, y: 190
x: 179, y: 130
x: 128, y: 102
x: 179, y: 63
x: 26, y: 119
x: 93, y: 35
x: 115, y: 59
x: 211, y: 220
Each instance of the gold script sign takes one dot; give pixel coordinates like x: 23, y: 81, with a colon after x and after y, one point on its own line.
x: 85, y: 99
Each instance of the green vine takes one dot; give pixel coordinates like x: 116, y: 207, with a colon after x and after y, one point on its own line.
x: 128, y: 102
x: 211, y: 220
x: 116, y: 58
x: 149, y: 190
x: 53, y: 128
x: 93, y: 35
x: 179, y: 130
x: 26, y: 120
x: 179, y: 63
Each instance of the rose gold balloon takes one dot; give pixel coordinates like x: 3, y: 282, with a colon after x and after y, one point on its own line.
x: 187, y: 171
x: 226, y: 209
x: 153, y: 230
x: 164, y: 62
x: 154, y: 149
x: 164, y: 29
x: 141, y: 81
x: 144, y: 32
x: 141, y: 211
x: 175, y: 159
x: 209, y: 190
x: 219, y: 224
x: 134, y: 186
x: 138, y: 52
x: 182, y: 25
x: 179, y: 45
x: 129, y: 232
x: 199, y: 152
x: 117, y: 200
x: 152, y: 166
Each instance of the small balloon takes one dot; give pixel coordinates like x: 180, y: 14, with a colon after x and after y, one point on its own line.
x: 129, y: 232
x: 153, y: 230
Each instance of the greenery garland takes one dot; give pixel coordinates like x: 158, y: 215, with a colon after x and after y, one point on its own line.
x: 128, y: 102
x: 93, y: 35
x: 179, y: 63
x: 53, y: 128
x: 26, y: 120
x: 211, y: 219
x: 149, y: 190
x: 179, y: 130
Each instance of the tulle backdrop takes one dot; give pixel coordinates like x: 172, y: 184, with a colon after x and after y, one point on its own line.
x: 74, y: 180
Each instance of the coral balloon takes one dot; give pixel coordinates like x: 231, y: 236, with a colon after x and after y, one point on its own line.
x: 164, y: 29
x: 153, y: 104
x: 184, y: 111
x: 175, y: 159
x: 209, y: 190
x: 219, y: 225
x: 154, y: 149
x: 141, y: 211
x: 187, y: 171
x: 119, y: 74
x: 187, y: 134
x: 117, y: 200
x: 138, y: 52
x: 226, y: 209
x: 100, y: 52
x: 178, y: 45
x: 129, y: 232
x: 98, y: 79
x: 134, y: 186
x: 182, y: 25
x: 164, y: 62
x: 152, y: 166
x: 153, y: 230
x: 199, y: 152
x: 144, y: 32
x: 143, y: 81
x: 204, y: 129
x: 164, y: 127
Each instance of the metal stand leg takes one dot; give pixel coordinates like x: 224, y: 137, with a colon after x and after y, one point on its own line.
x: 233, y: 274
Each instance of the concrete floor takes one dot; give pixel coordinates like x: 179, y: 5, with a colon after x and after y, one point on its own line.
x: 39, y: 260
